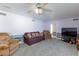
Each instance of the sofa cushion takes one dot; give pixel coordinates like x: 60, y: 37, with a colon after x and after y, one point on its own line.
x: 37, y: 34
x: 28, y: 35
x: 12, y: 41
x: 4, y: 38
x: 4, y: 52
x: 33, y: 35
x: 4, y: 42
x: 41, y: 34
x: 3, y: 46
x: 13, y: 45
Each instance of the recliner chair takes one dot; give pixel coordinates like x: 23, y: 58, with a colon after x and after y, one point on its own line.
x: 7, y: 45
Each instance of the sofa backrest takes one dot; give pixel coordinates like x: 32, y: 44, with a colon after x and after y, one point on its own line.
x: 31, y: 34
x: 4, y: 36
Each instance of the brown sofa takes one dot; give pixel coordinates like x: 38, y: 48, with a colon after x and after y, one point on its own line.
x: 33, y: 37
x: 7, y: 45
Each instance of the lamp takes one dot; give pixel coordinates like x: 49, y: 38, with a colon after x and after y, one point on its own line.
x: 38, y: 10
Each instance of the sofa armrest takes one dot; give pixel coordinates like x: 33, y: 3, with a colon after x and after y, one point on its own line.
x: 3, y: 46
x: 16, y: 40
x: 25, y: 36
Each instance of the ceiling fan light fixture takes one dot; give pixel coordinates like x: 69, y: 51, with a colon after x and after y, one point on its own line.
x: 38, y: 11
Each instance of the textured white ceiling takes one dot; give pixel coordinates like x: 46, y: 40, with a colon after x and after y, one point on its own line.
x: 59, y: 10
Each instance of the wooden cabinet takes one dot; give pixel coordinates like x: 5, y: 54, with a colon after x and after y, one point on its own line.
x: 47, y: 34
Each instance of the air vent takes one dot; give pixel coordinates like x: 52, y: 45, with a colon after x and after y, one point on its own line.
x: 75, y: 19
x: 4, y: 14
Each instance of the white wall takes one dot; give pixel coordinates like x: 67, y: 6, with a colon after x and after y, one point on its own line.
x: 62, y: 23
x: 66, y: 23
x: 47, y: 25
x: 17, y: 24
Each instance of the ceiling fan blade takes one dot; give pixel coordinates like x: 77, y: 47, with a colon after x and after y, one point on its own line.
x: 4, y: 14
x: 44, y: 4
x: 41, y: 4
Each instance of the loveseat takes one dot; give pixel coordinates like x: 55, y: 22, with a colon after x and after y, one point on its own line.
x: 33, y: 37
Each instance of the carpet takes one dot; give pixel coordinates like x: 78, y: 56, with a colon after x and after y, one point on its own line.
x: 49, y: 47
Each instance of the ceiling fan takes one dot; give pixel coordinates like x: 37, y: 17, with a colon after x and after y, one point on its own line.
x: 4, y: 14
x: 39, y: 8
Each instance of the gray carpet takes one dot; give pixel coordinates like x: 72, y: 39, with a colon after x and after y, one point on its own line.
x: 51, y: 47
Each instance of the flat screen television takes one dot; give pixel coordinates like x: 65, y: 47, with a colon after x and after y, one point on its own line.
x: 72, y: 32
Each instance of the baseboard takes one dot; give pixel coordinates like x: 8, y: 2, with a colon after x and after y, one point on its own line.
x: 57, y: 37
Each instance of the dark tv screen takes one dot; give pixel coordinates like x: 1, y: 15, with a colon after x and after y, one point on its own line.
x: 69, y: 32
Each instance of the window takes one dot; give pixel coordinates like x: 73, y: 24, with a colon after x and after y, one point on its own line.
x: 51, y: 28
